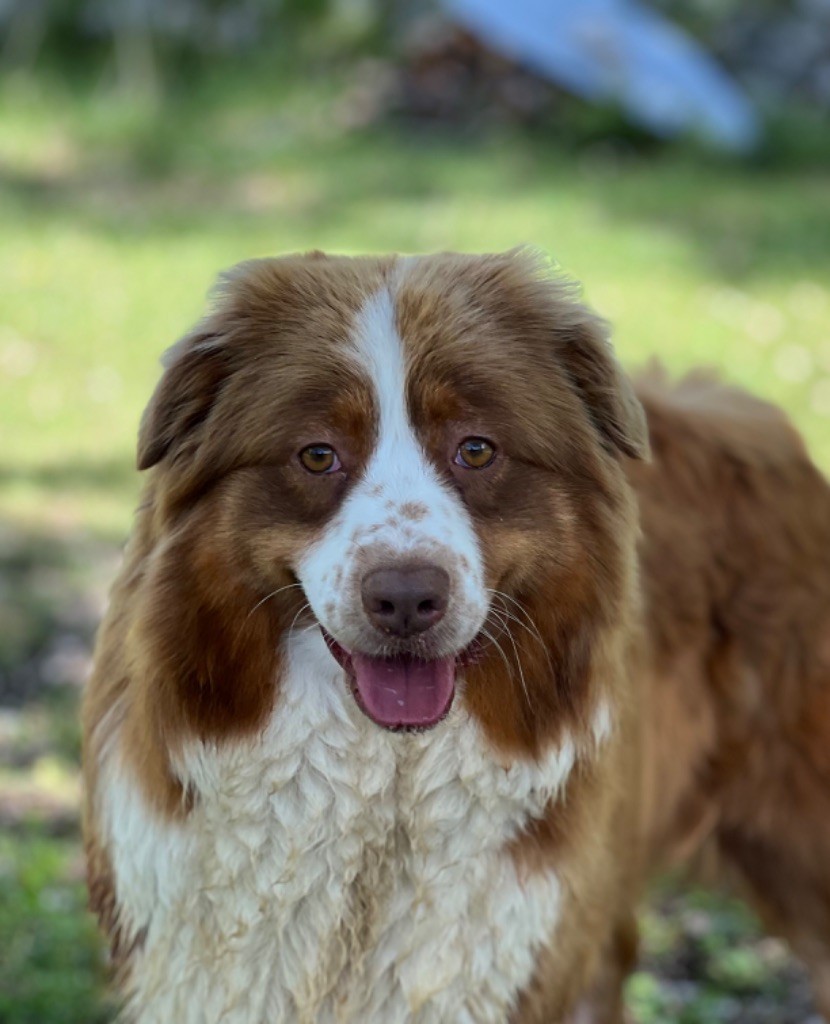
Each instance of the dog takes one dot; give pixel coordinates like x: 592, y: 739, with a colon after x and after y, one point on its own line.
x: 435, y: 637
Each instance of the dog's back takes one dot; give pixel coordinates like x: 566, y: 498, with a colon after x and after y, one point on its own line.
x: 736, y: 575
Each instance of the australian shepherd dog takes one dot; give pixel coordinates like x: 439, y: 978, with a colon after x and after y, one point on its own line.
x: 435, y: 637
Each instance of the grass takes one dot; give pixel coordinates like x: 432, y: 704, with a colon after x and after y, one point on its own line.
x: 116, y: 213
x: 51, y: 969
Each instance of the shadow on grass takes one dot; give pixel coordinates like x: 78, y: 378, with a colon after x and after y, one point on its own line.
x: 52, y: 587
x: 52, y: 591
x: 52, y: 967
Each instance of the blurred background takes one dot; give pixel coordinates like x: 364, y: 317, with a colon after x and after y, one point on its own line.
x: 674, y: 156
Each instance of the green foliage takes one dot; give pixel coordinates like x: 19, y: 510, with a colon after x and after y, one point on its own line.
x: 161, y: 32
x: 51, y: 968
x: 706, y: 961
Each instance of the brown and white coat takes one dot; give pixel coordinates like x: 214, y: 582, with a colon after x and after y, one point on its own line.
x: 259, y: 849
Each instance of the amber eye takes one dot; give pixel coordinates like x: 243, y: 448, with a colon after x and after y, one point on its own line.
x: 319, y: 458
x: 475, y: 453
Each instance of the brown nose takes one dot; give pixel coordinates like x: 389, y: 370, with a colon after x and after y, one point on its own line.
x: 405, y: 601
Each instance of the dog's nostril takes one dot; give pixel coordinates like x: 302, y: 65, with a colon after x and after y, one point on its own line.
x: 407, y: 600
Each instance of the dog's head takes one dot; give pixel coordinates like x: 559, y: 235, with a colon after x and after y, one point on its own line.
x: 420, y: 456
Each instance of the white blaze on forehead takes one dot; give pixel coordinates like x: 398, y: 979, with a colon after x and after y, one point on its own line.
x: 380, y: 354
x: 375, y: 523
x: 398, y: 464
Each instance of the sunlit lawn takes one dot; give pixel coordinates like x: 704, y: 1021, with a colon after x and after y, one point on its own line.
x: 115, y: 217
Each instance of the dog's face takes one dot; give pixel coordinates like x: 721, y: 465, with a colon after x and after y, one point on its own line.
x: 396, y: 577
x: 417, y: 454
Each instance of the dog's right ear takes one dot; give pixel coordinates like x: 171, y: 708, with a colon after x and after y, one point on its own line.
x: 195, y: 369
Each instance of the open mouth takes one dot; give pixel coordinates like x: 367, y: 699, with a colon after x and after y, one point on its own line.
x: 401, y: 692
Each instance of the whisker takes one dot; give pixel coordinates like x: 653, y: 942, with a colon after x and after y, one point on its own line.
x: 512, y: 640
x: 279, y: 590
x: 522, y: 679
x: 532, y: 627
x: 530, y: 624
x: 500, y: 618
x: 498, y: 647
x: 303, y: 608
x: 505, y: 617
x: 534, y: 632
x: 521, y: 670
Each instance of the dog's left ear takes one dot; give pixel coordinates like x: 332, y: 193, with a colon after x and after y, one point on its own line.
x: 590, y: 362
x: 581, y: 342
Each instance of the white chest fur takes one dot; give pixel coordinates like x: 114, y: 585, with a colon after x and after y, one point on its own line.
x: 332, y: 872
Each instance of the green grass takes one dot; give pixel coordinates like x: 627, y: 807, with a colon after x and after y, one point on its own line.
x: 51, y: 969
x: 704, y: 960
x: 115, y: 215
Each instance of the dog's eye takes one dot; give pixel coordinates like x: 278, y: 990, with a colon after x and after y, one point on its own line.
x: 319, y: 458
x: 475, y: 453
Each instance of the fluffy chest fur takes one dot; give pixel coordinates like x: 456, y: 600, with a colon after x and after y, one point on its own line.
x: 331, y: 871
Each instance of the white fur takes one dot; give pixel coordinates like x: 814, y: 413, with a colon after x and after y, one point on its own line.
x: 371, y: 528
x: 145, y: 851
x: 333, y: 871
x: 602, y: 723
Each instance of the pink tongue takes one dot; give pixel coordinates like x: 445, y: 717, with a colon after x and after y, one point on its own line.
x: 396, y: 692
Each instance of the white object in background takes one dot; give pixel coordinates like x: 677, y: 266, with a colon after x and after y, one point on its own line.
x: 618, y: 51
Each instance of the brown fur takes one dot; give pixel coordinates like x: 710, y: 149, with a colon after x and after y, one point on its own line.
x: 711, y: 632
x: 736, y: 556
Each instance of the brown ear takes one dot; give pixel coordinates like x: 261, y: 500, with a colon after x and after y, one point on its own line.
x: 213, y: 663
x: 590, y: 362
x: 195, y: 369
x: 204, y: 654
